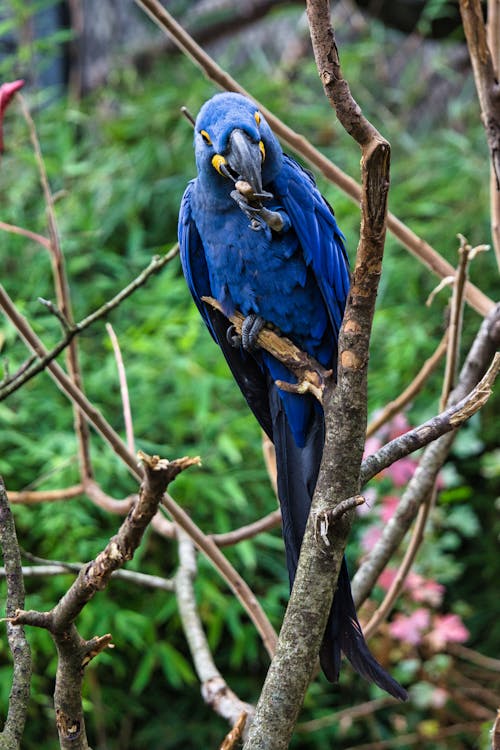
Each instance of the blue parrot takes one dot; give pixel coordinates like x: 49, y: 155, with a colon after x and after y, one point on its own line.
x: 256, y: 234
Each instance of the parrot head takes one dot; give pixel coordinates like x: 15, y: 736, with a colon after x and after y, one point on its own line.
x: 234, y: 142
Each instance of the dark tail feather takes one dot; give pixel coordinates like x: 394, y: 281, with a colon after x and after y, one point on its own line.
x: 343, y: 633
x: 297, y: 474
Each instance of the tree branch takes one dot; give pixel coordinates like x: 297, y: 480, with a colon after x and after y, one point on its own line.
x: 345, y: 417
x: 73, y: 651
x: 11, y: 735
x: 214, y: 688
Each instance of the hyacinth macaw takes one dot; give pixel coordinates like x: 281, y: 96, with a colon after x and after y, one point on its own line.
x: 277, y: 255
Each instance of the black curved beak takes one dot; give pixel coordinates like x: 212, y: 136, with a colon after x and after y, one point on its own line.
x: 245, y: 159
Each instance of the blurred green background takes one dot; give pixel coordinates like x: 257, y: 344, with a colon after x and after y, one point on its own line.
x: 119, y: 159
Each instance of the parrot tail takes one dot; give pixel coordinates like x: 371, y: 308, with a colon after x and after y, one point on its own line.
x: 298, y: 469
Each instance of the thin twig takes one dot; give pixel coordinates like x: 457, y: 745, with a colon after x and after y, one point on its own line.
x: 29, y: 497
x: 122, y: 377
x: 62, y: 293
x: 16, y: 381
x: 301, y: 146
x: 13, y: 229
x: 266, y: 523
x: 338, y: 717
x: 131, y: 576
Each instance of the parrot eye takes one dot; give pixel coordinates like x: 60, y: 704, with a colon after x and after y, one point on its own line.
x: 206, y: 137
x: 257, y: 117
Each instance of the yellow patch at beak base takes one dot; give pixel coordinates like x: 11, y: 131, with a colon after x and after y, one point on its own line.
x: 217, y: 161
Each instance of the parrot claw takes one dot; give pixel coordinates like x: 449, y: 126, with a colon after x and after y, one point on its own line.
x: 250, y: 329
x: 259, y: 216
x: 233, y: 337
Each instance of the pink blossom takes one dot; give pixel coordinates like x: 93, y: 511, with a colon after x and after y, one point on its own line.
x: 401, y: 471
x: 370, y: 538
x: 447, y: 629
x: 410, y: 628
x: 425, y: 590
x: 389, y: 505
x: 386, y: 578
x: 7, y: 91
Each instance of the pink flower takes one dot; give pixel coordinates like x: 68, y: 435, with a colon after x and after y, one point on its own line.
x: 7, y: 91
x: 389, y: 505
x: 410, y: 628
x: 447, y: 629
x: 386, y: 578
x: 401, y: 471
x: 370, y: 538
x: 425, y: 590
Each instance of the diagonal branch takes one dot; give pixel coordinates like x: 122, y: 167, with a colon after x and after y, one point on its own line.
x: 74, y: 653
x: 214, y: 689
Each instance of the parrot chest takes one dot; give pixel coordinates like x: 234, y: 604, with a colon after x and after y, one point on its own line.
x: 259, y: 272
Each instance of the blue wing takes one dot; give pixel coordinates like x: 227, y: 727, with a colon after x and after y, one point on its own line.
x: 252, y: 380
x: 321, y: 240
x: 193, y: 258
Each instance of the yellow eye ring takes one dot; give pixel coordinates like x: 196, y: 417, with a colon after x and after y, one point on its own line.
x: 257, y: 117
x: 206, y: 137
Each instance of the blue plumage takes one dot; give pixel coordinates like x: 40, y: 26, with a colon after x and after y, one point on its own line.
x: 277, y: 253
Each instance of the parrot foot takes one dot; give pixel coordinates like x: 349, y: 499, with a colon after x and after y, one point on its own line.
x: 259, y: 216
x: 250, y: 329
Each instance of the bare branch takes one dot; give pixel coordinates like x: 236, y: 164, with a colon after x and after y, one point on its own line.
x: 13, y: 229
x: 75, y: 653
x: 30, y: 497
x: 214, y: 689
x: 488, y: 88
x: 439, y: 425
x: 242, y: 591
x: 122, y: 377
x: 11, y: 735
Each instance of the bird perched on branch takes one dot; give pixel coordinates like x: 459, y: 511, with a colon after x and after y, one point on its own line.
x: 256, y: 235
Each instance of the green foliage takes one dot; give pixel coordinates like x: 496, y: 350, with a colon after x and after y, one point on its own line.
x: 121, y: 161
